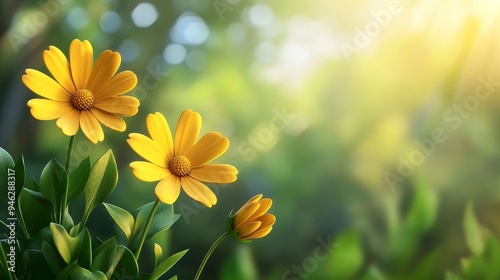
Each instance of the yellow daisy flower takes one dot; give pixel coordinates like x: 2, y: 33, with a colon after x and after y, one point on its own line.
x: 251, y: 221
x: 82, y: 94
x: 181, y: 162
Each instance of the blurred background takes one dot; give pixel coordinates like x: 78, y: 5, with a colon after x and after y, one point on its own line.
x: 371, y: 124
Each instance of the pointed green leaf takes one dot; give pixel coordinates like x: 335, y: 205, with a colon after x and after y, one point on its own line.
x: 54, y: 261
x: 72, y: 248
x: 20, y: 175
x: 158, y: 254
x: 78, y: 179
x: 45, y: 202
x: 122, y: 218
x: 125, y: 266
x: 163, y: 219
x: 104, y: 255
x: 472, y: 229
x: 53, y: 184
x: 33, y: 215
x: 101, y: 183
x: 166, y: 265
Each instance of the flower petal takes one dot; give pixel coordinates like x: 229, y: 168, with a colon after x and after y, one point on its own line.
x: 265, y: 204
x: 147, y: 148
x: 104, y: 68
x: 258, y: 234
x: 69, y: 122
x: 244, y: 213
x: 109, y: 120
x: 81, y: 60
x: 44, y: 109
x: 160, y: 133
x: 120, y: 105
x: 247, y: 228
x: 59, y: 67
x: 267, y: 220
x: 187, y: 130
x: 45, y: 86
x: 208, y: 148
x: 121, y: 83
x: 91, y: 127
x: 149, y: 172
x: 168, y: 189
x: 215, y: 173
x: 198, y: 191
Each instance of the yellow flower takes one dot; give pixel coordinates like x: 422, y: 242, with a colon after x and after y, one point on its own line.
x: 82, y: 94
x: 181, y: 161
x: 252, y: 221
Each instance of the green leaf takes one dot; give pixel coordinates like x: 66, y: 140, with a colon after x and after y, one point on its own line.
x: 122, y: 218
x: 158, y: 254
x: 44, y: 201
x: 104, y: 255
x: 53, y: 182
x: 54, y: 261
x: 100, y: 184
x: 75, y: 272
x: 4, y: 273
x: 72, y: 248
x: 163, y: 219
x: 33, y: 215
x: 35, y: 264
x: 6, y: 163
x: 125, y: 265
x: 472, y: 229
x: 348, y: 257
x: 166, y: 265
x: 78, y: 179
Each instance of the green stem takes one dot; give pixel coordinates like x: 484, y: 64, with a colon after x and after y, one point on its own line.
x: 68, y: 162
x: 210, y: 251
x: 146, y: 229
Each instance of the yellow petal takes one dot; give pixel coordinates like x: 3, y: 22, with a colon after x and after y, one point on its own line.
x: 247, y: 228
x: 119, y: 84
x: 168, y: 189
x: 69, y: 122
x: 109, y: 120
x: 81, y: 60
x: 120, y: 105
x: 208, y: 148
x: 258, y: 234
x: 147, y: 148
x: 91, y: 127
x: 44, y: 109
x: 187, y: 130
x: 267, y: 220
x: 59, y: 67
x: 265, y: 204
x: 104, y: 68
x: 149, y: 172
x: 244, y: 213
x: 45, y: 86
x: 198, y: 191
x: 215, y: 173
x: 160, y: 133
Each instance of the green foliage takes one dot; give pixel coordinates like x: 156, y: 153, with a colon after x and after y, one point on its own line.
x: 472, y: 229
x: 347, y: 258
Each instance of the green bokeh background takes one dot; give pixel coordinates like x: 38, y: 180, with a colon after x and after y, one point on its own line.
x: 321, y: 101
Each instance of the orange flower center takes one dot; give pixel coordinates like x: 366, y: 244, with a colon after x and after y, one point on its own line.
x: 82, y: 100
x: 180, y: 166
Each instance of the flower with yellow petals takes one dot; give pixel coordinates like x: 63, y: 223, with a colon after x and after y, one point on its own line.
x: 181, y: 161
x: 82, y: 94
x: 252, y: 221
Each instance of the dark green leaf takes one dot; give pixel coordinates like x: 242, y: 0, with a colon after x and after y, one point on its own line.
x: 104, y: 256
x: 125, y: 266
x: 163, y: 219
x: 20, y: 175
x: 55, y: 262
x: 53, y: 185
x: 101, y: 183
x: 4, y: 250
x: 33, y: 215
x: 75, y: 272
x: 6, y: 163
x: 166, y: 265
x: 78, y: 179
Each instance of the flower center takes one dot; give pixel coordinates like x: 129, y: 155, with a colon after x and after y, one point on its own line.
x: 82, y: 100
x: 180, y: 166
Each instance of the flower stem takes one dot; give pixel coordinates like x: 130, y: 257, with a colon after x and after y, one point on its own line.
x: 63, y: 209
x: 146, y: 229
x: 210, y: 251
